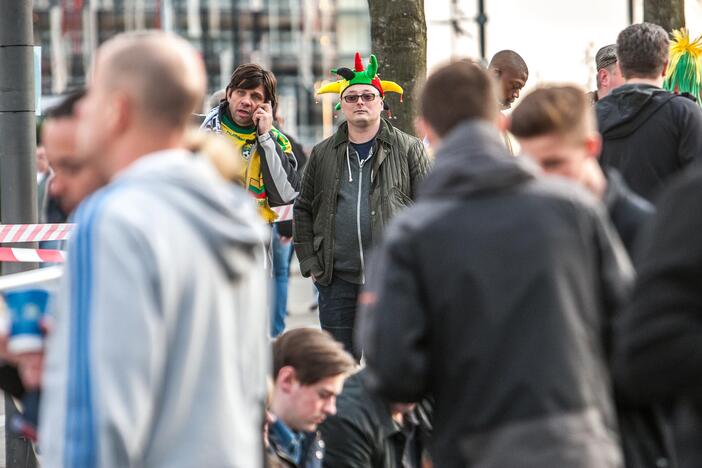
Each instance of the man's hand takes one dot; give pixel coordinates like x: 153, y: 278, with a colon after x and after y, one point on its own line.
x: 30, y: 367
x: 263, y: 118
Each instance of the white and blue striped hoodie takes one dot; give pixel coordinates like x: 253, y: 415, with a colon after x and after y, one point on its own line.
x: 159, y: 352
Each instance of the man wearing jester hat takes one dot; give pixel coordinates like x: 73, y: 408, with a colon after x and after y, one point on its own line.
x: 355, y: 182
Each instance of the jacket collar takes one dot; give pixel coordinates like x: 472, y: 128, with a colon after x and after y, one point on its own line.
x: 385, y: 133
x: 472, y: 159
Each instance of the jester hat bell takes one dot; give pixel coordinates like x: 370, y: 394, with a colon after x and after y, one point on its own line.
x: 359, y: 75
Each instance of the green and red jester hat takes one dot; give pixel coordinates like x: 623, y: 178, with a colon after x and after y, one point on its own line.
x: 368, y: 76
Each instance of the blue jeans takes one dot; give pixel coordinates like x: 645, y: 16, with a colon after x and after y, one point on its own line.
x: 282, y: 251
x: 337, y: 312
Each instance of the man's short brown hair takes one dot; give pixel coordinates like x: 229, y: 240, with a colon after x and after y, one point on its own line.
x: 250, y: 76
x: 455, y: 92
x: 561, y: 110
x: 313, y: 353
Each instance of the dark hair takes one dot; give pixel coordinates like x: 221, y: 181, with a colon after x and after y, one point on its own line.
x: 65, y: 108
x: 455, y: 92
x: 561, y: 110
x: 313, y: 353
x: 250, y: 76
x: 642, y: 50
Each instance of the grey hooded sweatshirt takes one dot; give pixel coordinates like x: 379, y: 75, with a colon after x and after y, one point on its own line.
x: 158, y: 355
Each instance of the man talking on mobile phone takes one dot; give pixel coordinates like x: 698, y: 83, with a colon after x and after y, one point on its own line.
x: 245, y: 115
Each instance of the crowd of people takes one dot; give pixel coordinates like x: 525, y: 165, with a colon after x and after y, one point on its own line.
x: 524, y: 297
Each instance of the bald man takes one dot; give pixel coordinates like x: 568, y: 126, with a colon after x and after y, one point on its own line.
x: 512, y: 72
x: 158, y: 353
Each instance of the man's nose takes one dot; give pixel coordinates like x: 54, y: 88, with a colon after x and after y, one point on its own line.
x: 330, y: 407
x: 55, y: 187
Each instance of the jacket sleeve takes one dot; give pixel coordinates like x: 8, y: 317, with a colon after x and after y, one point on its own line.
x: 303, y: 222
x: 690, y: 137
x: 616, y: 275
x: 279, y: 172
x: 346, y: 446
x: 658, y: 352
x: 393, y: 326
x: 419, y: 166
x: 128, y: 340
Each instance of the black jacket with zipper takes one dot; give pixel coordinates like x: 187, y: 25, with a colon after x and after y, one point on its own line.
x: 648, y: 135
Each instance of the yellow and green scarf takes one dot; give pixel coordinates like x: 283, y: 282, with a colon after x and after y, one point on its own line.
x: 245, y: 140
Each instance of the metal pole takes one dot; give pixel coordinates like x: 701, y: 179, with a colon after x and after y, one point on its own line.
x: 482, y: 21
x: 18, y: 183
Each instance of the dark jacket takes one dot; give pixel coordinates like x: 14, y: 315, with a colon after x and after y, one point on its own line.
x: 628, y: 211
x: 645, y: 432
x: 363, y: 434
x: 493, y: 293
x: 658, y: 353
x: 658, y: 358
x: 399, y: 163
x: 649, y: 134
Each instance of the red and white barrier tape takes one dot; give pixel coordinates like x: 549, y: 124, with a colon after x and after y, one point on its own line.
x: 285, y: 213
x: 34, y: 232
x: 9, y: 254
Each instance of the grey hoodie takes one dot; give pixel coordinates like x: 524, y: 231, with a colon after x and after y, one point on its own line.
x: 158, y: 355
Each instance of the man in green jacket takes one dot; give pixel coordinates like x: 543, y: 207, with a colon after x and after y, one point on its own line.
x: 355, y: 182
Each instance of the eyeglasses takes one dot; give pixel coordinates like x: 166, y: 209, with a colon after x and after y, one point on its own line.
x: 366, y: 97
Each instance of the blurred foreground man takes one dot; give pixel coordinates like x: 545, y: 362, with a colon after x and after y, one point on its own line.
x: 158, y: 355
x: 72, y: 179
x: 556, y: 128
x: 500, y: 320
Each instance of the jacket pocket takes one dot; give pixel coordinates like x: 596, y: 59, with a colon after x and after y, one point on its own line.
x: 316, y: 201
x: 317, y: 243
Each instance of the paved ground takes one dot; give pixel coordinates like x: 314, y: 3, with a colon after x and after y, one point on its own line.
x: 300, y: 297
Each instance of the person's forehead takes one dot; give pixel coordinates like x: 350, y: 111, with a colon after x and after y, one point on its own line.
x: 360, y: 89
x: 330, y: 384
x: 60, y: 130
x: 258, y: 89
x: 511, y: 75
x: 552, y: 144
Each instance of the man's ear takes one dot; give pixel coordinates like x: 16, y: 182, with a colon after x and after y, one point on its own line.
x: 603, y: 77
x: 424, y: 129
x: 119, y: 114
x: 593, y: 145
x: 665, y: 68
x: 286, y: 379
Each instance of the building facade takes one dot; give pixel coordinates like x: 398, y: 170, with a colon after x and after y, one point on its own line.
x: 299, y: 40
